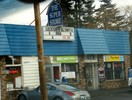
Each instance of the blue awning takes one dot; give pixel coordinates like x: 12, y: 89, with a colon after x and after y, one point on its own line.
x: 104, y: 42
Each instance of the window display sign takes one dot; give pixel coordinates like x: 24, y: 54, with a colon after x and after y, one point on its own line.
x: 112, y: 58
x: 18, y: 83
x: 12, y: 70
x: 58, y: 33
x: 68, y: 74
x: 9, y: 86
x: 101, y: 72
x: 64, y: 59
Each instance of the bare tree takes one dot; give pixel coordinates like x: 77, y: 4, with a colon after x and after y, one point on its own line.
x: 127, y: 10
x: 108, y: 17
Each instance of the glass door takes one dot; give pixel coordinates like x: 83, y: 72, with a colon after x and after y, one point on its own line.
x: 91, y: 76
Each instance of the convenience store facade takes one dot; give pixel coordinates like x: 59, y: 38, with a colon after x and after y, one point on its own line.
x: 90, y: 61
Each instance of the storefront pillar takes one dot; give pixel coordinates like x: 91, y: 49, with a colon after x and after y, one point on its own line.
x: 82, y: 83
x: 127, y: 60
x: 100, y: 64
x: 3, y: 79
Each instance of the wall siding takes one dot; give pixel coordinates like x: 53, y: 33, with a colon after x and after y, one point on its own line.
x: 30, y: 72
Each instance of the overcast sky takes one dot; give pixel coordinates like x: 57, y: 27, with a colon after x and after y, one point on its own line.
x: 26, y: 16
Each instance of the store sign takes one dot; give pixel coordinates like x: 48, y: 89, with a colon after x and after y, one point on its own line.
x: 13, y: 71
x: 58, y: 33
x: 54, y: 13
x: 112, y: 58
x: 64, y: 59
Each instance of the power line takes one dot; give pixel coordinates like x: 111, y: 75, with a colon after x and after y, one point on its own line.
x: 40, y: 13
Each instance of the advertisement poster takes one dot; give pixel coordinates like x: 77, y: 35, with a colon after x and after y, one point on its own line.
x: 18, y: 82
x: 68, y: 74
x: 101, y: 73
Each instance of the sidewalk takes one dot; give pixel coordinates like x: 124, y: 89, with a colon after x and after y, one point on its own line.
x: 107, y: 92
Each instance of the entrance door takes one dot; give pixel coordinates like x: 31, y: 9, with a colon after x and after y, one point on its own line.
x: 91, y: 76
x: 56, y: 74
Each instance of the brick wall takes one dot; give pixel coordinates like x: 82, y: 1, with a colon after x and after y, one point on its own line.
x: 82, y: 82
x: 3, y: 79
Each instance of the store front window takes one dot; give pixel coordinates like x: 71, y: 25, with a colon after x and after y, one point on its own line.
x: 72, y: 72
x: 91, y: 57
x: 13, y: 72
x: 114, y: 70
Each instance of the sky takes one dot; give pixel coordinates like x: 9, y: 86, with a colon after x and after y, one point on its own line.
x: 24, y: 14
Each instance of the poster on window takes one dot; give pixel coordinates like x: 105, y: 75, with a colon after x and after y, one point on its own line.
x: 101, y: 73
x: 18, y: 82
x: 68, y: 74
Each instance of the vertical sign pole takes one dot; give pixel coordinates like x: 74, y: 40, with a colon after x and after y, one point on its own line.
x: 42, y: 72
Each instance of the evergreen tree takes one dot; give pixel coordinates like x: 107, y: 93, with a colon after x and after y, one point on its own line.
x: 88, y: 11
x: 77, y: 13
x: 109, y: 17
x: 66, y: 6
x: 128, y: 17
x: 82, y: 9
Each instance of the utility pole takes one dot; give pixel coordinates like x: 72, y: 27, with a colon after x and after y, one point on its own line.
x: 42, y: 72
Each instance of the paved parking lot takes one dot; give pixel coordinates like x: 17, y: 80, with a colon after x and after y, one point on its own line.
x: 112, y: 94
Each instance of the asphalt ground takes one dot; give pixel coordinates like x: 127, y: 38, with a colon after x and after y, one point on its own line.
x: 106, y: 92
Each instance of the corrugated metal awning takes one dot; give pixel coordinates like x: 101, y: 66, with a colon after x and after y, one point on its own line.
x: 104, y: 42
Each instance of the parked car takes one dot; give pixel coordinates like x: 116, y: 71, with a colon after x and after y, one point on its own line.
x: 130, y: 83
x: 56, y: 91
x: 130, y: 78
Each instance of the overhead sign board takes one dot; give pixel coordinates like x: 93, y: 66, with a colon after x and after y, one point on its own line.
x: 58, y: 33
x: 64, y: 59
x: 111, y: 58
x: 54, y: 13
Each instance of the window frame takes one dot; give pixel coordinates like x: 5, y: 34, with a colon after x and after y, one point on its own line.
x: 113, y: 71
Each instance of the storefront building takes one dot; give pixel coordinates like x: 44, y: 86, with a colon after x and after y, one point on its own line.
x: 90, y: 59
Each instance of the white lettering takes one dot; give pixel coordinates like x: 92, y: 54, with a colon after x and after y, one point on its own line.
x: 55, y: 21
x: 55, y: 14
x: 54, y: 7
